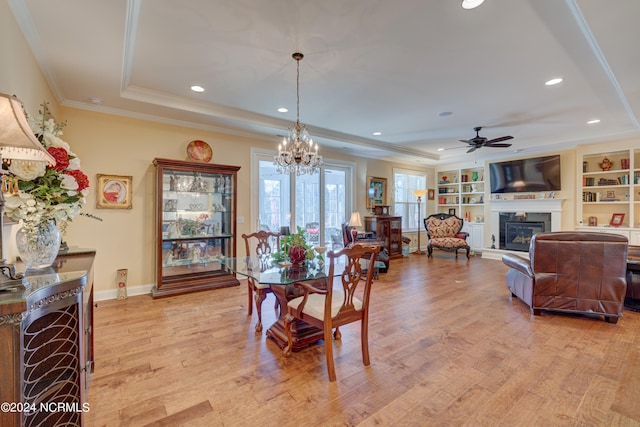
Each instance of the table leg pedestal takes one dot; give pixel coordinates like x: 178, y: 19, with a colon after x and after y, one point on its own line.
x: 303, y: 333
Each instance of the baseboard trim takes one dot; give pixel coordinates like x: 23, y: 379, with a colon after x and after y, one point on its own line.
x: 135, y: 290
x: 497, y: 253
x: 113, y: 293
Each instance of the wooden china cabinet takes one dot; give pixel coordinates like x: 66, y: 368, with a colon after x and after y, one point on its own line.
x: 388, y: 229
x: 196, y: 226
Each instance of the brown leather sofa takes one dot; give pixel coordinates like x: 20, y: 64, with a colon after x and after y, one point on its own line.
x: 577, y: 272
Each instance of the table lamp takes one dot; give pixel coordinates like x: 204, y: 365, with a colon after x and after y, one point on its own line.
x: 354, y: 222
x: 17, y: 142
x: 419, y: 194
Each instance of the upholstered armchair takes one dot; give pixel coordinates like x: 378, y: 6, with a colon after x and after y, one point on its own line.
x: 571, y: 272
x: 443, y: 232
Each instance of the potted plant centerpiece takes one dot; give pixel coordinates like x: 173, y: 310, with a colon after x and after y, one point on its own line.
x: 295, y: 249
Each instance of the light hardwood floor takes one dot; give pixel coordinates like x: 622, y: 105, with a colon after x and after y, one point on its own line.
x: 448, y: 348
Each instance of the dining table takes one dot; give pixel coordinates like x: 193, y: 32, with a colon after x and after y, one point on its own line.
x: 281, y: 277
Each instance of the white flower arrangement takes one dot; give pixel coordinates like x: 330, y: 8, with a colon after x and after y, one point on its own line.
x: 47, y: 193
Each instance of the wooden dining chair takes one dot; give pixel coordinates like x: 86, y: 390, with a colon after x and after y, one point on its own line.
x: 262, y: 241
x: 331, y: 308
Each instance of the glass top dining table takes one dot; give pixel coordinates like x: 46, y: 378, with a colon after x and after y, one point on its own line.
x: 268, y: 271
x: 281, y: 278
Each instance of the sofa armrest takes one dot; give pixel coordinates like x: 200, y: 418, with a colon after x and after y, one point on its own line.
x: 518, y: 263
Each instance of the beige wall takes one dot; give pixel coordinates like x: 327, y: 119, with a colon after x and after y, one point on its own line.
x: 19, y: 72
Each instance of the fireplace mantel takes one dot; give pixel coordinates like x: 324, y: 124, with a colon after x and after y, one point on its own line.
x: 552, y: 206
x: 527, y: 205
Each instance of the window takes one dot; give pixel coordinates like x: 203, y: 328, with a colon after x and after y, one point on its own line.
x: 405, y: 204
x: 318, y: 203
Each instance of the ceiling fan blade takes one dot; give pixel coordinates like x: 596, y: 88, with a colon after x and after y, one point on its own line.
x: 497, y: 145
x: 471, y: 150
x: 468, y: 141
x: 502, y: 138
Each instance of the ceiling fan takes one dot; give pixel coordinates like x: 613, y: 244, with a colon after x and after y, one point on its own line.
x: 480, y: 141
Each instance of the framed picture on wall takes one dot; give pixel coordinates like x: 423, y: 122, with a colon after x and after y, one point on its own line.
x: 113, y: 192
x: 376, y: 191
x: 431, y: 194
x: 452, y: 211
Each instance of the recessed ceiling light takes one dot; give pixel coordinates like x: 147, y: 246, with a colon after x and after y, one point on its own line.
x: 440, y: 149
x: 96, y: 101
x: 444, y: 113
x: 197, y: 88
x: 553, y: 81
x: 282, y: 110
x: 471, y: 4
x: 593, y: 122
x: 377, y: 133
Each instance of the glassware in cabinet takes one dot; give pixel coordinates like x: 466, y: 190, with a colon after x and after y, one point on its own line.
x: 196, y: 211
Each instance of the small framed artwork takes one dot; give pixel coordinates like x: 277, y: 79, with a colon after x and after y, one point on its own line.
x: 616, y: 219
x: 376, y: 191
x: 431, y: 194
x: 593, y: 221
x: 114, y: 191
x: 452, y: 211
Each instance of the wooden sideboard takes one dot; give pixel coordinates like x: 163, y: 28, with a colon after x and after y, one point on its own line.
x: 46, y: 331
x: 388, y: 229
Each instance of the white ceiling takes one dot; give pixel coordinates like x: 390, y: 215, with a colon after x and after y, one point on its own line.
x: 370, y: 65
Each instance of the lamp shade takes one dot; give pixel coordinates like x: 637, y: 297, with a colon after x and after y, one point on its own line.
x: 284, y: 230
x: 355, y: 220
x: 17, y: 141
x: 419, y: 193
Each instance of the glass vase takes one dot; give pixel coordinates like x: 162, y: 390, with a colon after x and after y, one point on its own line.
x: 41, y: 250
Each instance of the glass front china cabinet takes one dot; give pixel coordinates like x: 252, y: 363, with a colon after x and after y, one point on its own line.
x: 196, y: 226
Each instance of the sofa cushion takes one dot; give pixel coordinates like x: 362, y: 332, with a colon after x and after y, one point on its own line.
x: 448, y: 242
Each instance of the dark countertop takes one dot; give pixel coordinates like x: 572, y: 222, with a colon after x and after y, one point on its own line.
x: 69, y: 267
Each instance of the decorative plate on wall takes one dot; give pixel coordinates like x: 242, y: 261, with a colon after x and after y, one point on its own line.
x: 199, y: 151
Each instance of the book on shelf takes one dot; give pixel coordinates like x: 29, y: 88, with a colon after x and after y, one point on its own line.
x: 623, y: 180
x: 607, y: 181
x: 624, y: 163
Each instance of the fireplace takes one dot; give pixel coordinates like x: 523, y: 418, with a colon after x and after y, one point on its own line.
x: 518, y: 234
x: 513, y: 209
x: 517, y: 229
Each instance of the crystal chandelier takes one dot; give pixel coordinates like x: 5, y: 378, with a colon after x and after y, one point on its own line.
x: 297, y: 153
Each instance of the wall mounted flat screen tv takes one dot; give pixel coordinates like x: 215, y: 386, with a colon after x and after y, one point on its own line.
x: 526, y: 175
